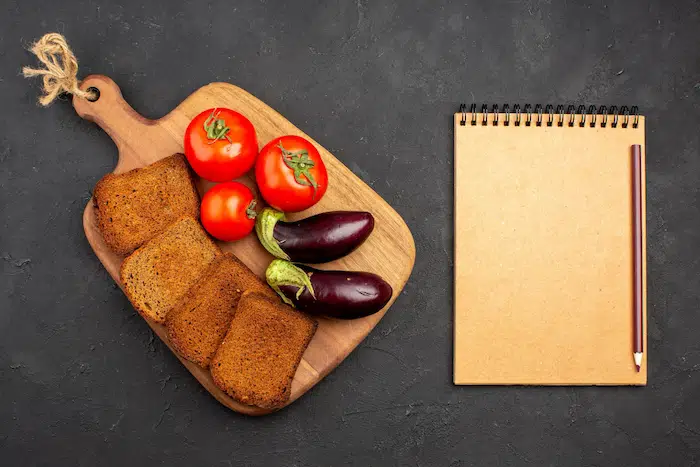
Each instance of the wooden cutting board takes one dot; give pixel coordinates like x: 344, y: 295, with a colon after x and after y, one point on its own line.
x: 389, y: 251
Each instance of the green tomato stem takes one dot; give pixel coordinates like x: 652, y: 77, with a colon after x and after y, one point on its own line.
x: 300, y: 163
x: 216, y: 128
x: 250, y: 211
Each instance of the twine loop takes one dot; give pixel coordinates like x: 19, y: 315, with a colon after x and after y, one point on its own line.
x: 60, y: 72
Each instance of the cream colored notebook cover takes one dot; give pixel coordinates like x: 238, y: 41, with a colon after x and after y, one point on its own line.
x: 543, y: 249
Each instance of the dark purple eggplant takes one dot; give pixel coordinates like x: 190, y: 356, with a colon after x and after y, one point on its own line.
x: 316, y: 239
x: 338, y: 294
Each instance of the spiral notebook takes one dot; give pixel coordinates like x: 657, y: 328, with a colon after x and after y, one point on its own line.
x: 543, y: 277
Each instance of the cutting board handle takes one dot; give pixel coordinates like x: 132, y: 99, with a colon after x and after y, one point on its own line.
x: 128, y: 129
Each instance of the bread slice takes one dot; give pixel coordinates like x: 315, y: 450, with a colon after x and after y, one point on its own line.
x: 259, y: 356
x: 198, y: 323
x: 135, y: 206
x: 157, y: 275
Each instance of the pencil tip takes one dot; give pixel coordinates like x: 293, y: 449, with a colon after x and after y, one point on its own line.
x: 638, y: 361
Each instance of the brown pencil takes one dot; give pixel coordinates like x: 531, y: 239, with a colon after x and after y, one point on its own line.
x: 637, y: 308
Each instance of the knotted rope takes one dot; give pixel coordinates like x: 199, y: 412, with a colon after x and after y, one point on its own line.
x: 60, y: 74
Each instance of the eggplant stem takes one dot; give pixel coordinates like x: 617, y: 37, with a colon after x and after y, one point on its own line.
x: 282, y: 272
x: 265, y: 228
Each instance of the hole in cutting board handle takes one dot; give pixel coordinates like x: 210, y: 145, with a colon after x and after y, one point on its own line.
x: 94, y: 90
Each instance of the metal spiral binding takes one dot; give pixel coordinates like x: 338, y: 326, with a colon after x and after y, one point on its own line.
x: 573, y: 115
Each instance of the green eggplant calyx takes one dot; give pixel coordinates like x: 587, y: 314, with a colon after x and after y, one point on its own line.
x: 281, y: 272
x: 265, y: 227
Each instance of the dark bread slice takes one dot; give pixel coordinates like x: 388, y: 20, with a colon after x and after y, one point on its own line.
x: 157, y: 275
x: 198, y: 323
x: 135, y: 206
x: 257, y: 360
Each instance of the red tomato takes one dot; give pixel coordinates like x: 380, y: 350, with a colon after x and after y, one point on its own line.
x: 220, y: 145
x: 228, y: 211
x: 290, y: 173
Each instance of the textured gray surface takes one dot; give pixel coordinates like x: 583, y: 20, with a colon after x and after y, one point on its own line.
x: 82, y: 380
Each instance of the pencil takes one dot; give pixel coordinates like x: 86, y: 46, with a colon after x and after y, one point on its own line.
x: 637, y: 270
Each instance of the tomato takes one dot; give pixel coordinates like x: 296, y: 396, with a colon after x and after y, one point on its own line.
x: 290, y: 173
x: 228, y: 211
x: 220, y: 145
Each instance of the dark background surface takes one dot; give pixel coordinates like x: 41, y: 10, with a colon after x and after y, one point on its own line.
x: 84, y: 382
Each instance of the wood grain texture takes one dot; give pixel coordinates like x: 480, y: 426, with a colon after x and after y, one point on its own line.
x: 389, y: 251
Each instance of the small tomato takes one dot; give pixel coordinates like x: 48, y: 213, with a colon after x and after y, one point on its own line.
x: 228, y: 211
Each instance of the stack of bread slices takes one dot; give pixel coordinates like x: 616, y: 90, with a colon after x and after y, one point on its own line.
x: 217, y: 312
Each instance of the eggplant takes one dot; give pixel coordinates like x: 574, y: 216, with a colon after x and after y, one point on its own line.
x: 316, y: 239
x: 338, y: 294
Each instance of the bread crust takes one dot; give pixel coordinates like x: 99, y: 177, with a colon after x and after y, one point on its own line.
x: 158, y: 274
x: 256, y: 362
x: 135, y: 206
x: 198, y: 323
